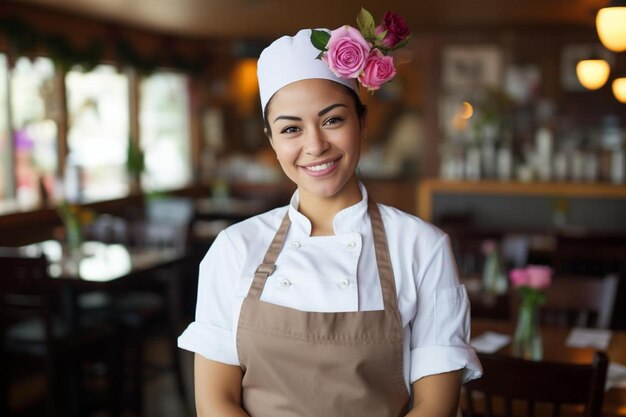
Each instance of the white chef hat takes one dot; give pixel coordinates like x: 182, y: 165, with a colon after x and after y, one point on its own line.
x: 289, y: 59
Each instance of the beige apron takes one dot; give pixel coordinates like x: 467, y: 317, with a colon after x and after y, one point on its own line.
x: 313, y: 364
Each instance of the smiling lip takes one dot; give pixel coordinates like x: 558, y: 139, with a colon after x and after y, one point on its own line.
x: 321, y: 169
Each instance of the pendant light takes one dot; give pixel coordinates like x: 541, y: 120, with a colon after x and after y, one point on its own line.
x: 611, y: 27
x: 593, y: 73
x: 619, y: 89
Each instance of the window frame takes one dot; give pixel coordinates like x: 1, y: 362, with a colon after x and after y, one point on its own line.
x: 43, y: 213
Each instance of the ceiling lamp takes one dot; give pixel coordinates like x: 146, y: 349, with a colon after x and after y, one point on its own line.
x: 610, y: 25
x: 593, y: 73
x: 619, y: 89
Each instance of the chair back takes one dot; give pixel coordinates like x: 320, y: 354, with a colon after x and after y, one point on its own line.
x: 580, y: 301
x: 108, y: 228
x: 508, y: 381
x: 161, y: 235
x: 25, y: 297
x: 25, y: 286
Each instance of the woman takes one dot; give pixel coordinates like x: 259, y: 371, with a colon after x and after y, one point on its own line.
x: 333, y: 305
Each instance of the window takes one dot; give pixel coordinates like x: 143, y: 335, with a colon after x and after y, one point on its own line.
x: 34, y: 113
x: 97, y: 133
x: 164, y: 130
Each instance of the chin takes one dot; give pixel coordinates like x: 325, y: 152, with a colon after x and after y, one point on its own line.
x: 323, y: 189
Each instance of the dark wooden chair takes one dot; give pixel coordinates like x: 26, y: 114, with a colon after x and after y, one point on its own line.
x: 583, y: 301
x: 35, y: 338
x: 146, y: 309
x: 507, y: 381
x: 580, y: 301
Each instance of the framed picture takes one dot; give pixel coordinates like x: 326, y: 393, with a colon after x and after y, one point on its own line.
x: 470, y: 67
x: 571, y: 54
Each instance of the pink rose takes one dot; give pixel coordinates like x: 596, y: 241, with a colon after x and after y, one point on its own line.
x: 396, y: 27
x: 539, y: 277
x: 519, y: 277
x: 378, y: 70
x: 347, y: 52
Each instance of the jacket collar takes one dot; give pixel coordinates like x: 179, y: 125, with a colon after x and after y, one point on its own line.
x: 350, y: 219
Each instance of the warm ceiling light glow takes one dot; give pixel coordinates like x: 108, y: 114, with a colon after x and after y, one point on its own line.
x: 619, y: 89
x: 611, y: 27
x: 593, y: 73
x: 467, y: 111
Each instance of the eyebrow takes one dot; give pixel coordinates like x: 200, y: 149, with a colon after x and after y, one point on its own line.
x: 320, y: 113
x: 329, y: 108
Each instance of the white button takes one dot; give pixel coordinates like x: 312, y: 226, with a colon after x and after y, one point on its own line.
x: 285, y: 283
x: 351, y: 245
x: 295, y: 244
x: 344, y: 283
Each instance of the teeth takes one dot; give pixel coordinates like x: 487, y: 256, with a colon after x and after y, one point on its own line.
x: 321, y: 167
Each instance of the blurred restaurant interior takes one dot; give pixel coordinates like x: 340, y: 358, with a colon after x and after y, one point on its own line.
x: 131, y: 135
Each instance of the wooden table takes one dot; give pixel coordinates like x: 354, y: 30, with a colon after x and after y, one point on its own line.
x: 102, y: 266
x: 107, y: 268
x: 554, y: 349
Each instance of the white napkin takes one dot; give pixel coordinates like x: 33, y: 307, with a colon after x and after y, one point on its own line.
x: 490, y: 342
x: 581, y: 337
x: 616, y: 376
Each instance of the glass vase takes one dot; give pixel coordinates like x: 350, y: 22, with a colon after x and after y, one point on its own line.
x: 527, y: 343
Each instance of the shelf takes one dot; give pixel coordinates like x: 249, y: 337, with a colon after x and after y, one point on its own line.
x: 429, y: 187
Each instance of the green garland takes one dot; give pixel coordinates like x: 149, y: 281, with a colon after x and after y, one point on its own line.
x: 23, y: 39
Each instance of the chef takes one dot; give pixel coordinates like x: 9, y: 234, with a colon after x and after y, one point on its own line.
x: 333, y: 305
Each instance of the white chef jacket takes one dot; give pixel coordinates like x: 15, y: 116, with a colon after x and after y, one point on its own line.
x: 336, y: 274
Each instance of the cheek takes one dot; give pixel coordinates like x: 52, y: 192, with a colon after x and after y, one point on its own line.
x: 285, y: 153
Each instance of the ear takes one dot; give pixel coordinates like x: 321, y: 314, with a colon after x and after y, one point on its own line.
x: 269, y: 137
x: 363, y: 123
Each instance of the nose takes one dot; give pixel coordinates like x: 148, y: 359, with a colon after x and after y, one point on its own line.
x: 316, y: 143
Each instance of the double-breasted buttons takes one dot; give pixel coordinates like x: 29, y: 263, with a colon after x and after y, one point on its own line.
x: 343, y: 283
x: 295, y: 244
x: 351, y: 244
x: 285, y: 283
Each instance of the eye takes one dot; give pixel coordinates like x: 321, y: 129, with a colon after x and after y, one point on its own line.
x: 290, y: 129
x: 333, y: 120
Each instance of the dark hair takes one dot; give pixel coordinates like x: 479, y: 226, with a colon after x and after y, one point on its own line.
x: 361, y: 109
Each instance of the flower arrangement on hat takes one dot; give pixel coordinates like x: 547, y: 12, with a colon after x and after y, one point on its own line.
x: 363, y: 53
x: 530, y: 282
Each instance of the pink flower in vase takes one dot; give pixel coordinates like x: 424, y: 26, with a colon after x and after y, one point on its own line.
x: 519, y: 277
x: 539, y: 277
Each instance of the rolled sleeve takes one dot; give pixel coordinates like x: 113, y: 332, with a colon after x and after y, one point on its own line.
x: 440, y: 331
x: 211, y: 334
x: 210, y: 341
x: 433, y: 360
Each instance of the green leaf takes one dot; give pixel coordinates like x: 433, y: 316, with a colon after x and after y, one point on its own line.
x: 379, y: 39
x: 401, y: 44
x: 381, y: 36
x: 366, y: 24
x: 319, y: 39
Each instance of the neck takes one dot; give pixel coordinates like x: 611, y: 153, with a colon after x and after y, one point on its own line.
x: 322, y: 210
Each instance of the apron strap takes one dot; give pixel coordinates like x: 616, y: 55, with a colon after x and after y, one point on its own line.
x: 269, y: 261
x: 383, y: 259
